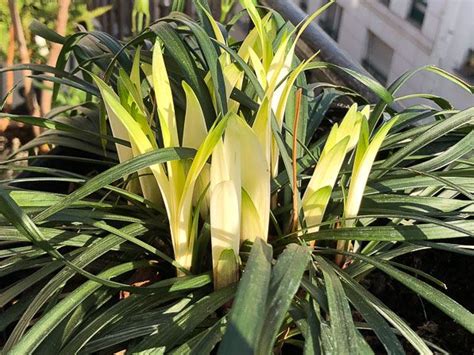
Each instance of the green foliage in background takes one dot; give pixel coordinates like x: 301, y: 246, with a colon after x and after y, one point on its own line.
x: 44, y: 11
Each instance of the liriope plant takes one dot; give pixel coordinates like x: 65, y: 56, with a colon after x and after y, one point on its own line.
x: 229, y: 208
x: 240, y: 171
x: 341, y: 140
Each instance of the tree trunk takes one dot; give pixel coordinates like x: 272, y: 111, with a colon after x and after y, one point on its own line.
x: 9, y: 78
x: 61, y: 24
x: 30, y: 97
x: 10, y: 75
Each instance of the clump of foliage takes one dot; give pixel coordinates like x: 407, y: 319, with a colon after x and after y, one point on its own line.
x: 236, y: 214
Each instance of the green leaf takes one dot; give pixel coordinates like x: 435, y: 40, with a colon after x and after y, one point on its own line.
x: 463, y: 118
x: 45, y: 325
x: 358, y: 295
x: 177, y: 50
x: 165, y: 291
x: 25, y: 283
x: 452, y: 154
x: 427, y: 231
x: 284, y: 283
x: 204, y: 342
x: 429, y: 293
x: 342, y: 326
x: 40, y: 29
x: 246, y: 320
x: 93, y: 252
x: 58, y: 125
x: 117, y: 172
x: 372, y: 84
x: 57, y: 72
x: 211, y: 57
x: 185, y: 322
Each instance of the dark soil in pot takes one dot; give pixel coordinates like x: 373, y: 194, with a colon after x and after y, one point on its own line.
x: 457, y: 272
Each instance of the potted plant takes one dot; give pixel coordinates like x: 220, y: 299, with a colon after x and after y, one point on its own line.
x: 237, y: 216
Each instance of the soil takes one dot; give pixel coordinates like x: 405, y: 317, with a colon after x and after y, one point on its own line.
x: 457, y: 272
x: 11, y: 140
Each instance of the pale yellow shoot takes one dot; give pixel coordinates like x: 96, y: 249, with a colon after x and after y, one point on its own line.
x: 281, y: 101
x: 117, y: 112
x: 178, y: 202
x: 325, y: 175
x: 262, y: 128
x: 282, y: 61
x: 225, y: 205
x: 351, y: 124
x: 195, y: 130
x: 148, y: 71
x: 164, y: 98
x: 227, y: 269
x: 225, y: 222
x: 257, y: 66
x: 266, y: 45
x: 131, y: 99
x: 250, y: 219
x: 364, y: 160
x: 135, y: 72
x: 167, y: 118
x: 135, y: 104
x: 214, y: 25
x: 255, y: 180
x: 252, y: 39
x: 184, y: 222
x: 233, y: 78
x: 279, y: 67
x: 147, y: 182
x: 136, y: 80
x: 194, y: 133
x: 327, y: 168
x: 315, y: 207
x: 281, y: 64
x: 119, y: 131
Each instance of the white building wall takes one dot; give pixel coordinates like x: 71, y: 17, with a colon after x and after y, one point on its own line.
x: 443, y: 40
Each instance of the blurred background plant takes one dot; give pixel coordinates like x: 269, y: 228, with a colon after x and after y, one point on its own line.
x: 22, y: 45
x: 46, y: 12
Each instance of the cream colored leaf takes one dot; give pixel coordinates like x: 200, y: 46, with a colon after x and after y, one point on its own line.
x: 195, y: 130
x: 225, y: 220
x: 315, y: 207
x: 362, y: 167
x: 327, y: 169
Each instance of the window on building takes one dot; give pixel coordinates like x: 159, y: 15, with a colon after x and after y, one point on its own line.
x: 417, y: 12
x: 304, y: 5
x: 378, y: 59
x: 331, y: 20
x: 467, y: 69
x: 385, y: 2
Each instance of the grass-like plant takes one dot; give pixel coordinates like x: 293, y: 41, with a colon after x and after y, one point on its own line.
x: 233, y: 211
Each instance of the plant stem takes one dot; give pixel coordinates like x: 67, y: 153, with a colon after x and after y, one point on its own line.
x: 31, y: 102
x: 294, y: 158
x: 61, y: 25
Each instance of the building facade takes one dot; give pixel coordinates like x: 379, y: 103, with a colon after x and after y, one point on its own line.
x: 390, y: 37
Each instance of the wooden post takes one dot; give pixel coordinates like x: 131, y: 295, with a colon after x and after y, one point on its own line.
x: 30, y: 97
x: 61, y: 25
